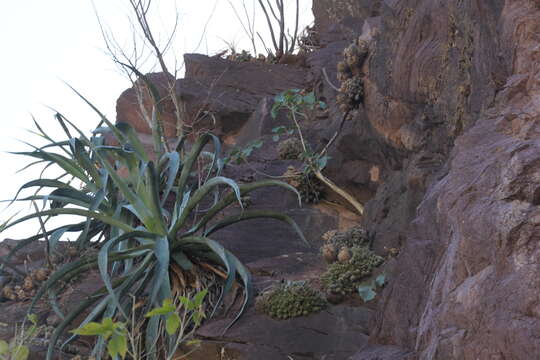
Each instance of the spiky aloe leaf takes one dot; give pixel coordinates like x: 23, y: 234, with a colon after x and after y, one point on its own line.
x: 256, y: 214
x: 199, y: 195
x: 68, y: 165
x: 171, y: 171
x: 103, y: 261
x: 192, y: 157
x: 163, y: 255
x: 231, y: 197
x: 25, y: 242
x: 80, y: 212
x: 133, y: 139
x: 227, y: 259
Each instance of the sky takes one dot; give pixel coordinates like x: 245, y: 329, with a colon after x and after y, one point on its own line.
x: 49, y: 43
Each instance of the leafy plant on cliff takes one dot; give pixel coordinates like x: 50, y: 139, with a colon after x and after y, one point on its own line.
x: 17, y: 348
x: 147, y: 221
x: 295, y: 102
x: 182, y: 317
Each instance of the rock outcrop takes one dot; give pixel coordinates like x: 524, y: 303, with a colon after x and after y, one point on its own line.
x: 465, y: 285
x: 444, y: 150
x: 451, y: 88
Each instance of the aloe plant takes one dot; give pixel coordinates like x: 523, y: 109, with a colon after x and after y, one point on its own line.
x: 143, y: 213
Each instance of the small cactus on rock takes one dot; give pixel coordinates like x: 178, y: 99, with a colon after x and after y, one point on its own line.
x: 350, y: 75
x: 291, y: 299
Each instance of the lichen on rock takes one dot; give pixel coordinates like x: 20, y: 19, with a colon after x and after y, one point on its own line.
x: 291, y: 299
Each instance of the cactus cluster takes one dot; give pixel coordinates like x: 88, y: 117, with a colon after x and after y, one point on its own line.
x: 351, y: 76
x: 355, y: 236
x: 290, y: 149
x: 350, y: 259
x: 345, y: 276
x: 310, y: 188
x: 338, y: 243
x: 290, y: 300
x: 28, y: 288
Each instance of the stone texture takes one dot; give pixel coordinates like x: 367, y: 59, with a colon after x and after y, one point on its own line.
x: 378, y: 352
x: 128, y: 108
x: 331, y: 334
x: 215, y: 94
x: 451, y: 119
x: 463, y: 287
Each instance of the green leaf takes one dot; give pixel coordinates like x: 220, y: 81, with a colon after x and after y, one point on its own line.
x: 32, y: 318
x: 172, y: 323
x: 133, y: 139
x: 275, y: 137
x: 309, y: 99
x: 20, y: 352
x: 4, y: 347
x: 199, y: 298
x: 322, y: 161
x: 117, y: 345
x: 181, y: 259
x: 194, y: 342
x: 380, y: 280
x: 70, y: 211
x: 279, y: 129
x: 165, y: 309
x: 162, y: 254
x: 229, y: 198
x: 198, y: 317
x: 366, y: 292
x: 90, y: 329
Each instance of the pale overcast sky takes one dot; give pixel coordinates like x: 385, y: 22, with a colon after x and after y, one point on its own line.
x: 47, y: 42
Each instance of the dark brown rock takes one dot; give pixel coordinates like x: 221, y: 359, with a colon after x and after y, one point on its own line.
x: 378, y: 352
x: 464, y: 286
x: 330, y: 334
x: 128, y: 108
x: 215, y: 94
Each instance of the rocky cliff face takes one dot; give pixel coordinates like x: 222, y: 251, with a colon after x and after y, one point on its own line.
x: 464, y: 285
x: 444, y: 150
x: 452, y: 87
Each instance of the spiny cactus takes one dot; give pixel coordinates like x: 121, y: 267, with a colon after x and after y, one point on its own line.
x: 290, y: 300
x: 345, y: 277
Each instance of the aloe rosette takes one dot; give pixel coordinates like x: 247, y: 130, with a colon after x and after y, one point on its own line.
x: 142, y: 213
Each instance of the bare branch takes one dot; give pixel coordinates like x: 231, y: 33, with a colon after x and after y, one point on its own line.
x: 248, y: 29
x: 281, y: 27
x: 269, y: 22
x: 328, y: 80
x: 296, y: 24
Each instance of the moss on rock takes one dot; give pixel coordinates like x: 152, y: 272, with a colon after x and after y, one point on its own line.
x: 291, y: 300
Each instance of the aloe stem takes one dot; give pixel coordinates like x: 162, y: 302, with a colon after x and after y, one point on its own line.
x: 359, y: 207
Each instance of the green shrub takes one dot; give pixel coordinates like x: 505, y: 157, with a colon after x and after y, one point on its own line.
x: 144, y: 216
